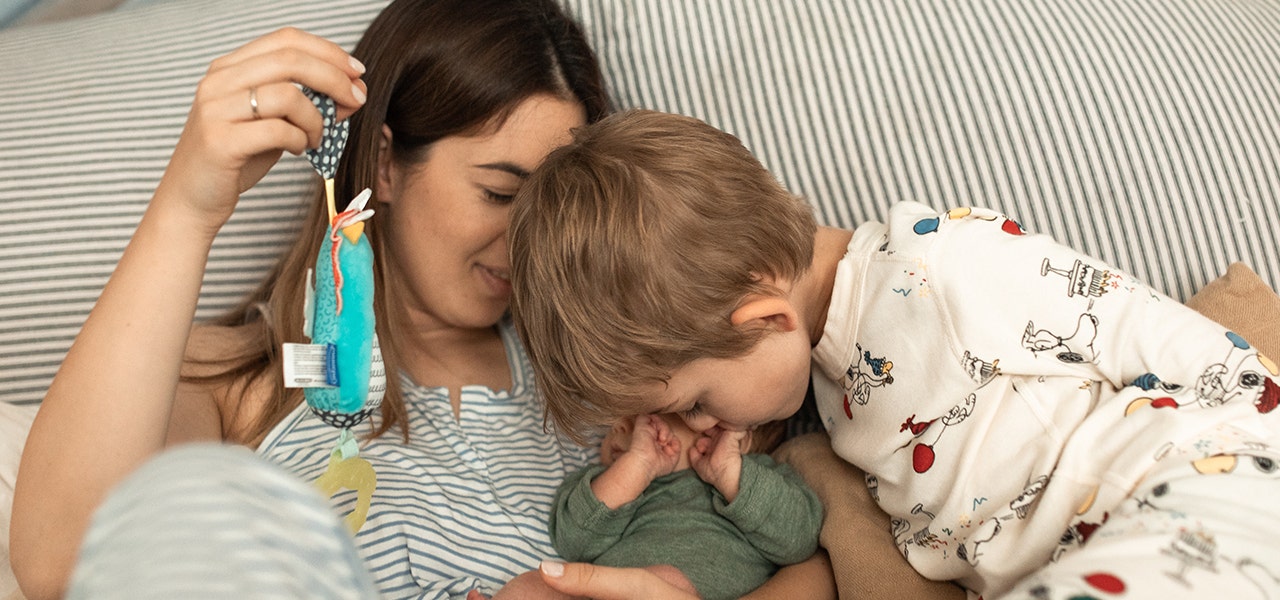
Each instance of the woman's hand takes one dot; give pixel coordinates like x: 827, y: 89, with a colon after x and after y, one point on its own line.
x: 611, y: 583
x: 247, y: 111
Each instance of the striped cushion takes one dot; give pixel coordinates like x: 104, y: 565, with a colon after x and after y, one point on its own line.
x: 1143, y: 132
x: 92, y: 111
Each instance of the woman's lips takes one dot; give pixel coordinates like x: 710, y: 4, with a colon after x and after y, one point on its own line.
x: 498, y: 281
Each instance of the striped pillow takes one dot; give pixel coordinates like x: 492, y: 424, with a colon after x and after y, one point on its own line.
x: 93, y: 108
x: 1141, y: 132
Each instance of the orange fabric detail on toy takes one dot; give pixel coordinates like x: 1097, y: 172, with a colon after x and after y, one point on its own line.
x: 351, y: 223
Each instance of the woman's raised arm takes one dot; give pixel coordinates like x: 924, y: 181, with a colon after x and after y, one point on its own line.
x: 109, y: 407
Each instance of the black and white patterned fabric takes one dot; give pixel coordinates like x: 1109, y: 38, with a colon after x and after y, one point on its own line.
x: 1144, y: 132
x: 334, y: 138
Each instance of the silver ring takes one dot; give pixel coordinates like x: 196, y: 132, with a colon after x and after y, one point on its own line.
x: 253, y: 103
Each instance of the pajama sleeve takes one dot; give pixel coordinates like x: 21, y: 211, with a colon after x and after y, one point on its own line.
x: 1045, y: 309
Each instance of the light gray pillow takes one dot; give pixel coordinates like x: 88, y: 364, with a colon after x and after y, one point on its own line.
x: 1143, y: 133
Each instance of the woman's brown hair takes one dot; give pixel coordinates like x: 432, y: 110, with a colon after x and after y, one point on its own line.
x: 436, y: 68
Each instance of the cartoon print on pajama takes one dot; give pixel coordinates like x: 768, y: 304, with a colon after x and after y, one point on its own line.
x: 1194, y: 553
x: 1076, y: 535
x: 968, y: 547
x: 1020, y: 508
x: 1025, y: 501
x: 980, y: 371
x: 1081, y: 528
x: 1242, y: 372
x: 1194, y: 547
x: 914, y: 280
x: 1198, y: 549
x: 924, y: 537
x: 931, y: 225
x: 922, y: 454
x: 1076, y: 347
x: 1220, y: 383
x: 1083, y: 279
x: 1188, y: 538
x: 987, y: 530
x: 859, y: 379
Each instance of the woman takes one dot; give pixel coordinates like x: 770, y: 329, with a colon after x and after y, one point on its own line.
x: 451, y: 103
x: 464, y: 97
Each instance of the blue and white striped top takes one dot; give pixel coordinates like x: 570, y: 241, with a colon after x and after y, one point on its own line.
x: 465, y: 503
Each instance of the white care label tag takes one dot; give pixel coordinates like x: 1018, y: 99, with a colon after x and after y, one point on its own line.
x: 308, y: 305
x: 307, y: 365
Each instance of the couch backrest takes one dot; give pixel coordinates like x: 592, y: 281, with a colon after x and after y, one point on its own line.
x: 1143, y: 132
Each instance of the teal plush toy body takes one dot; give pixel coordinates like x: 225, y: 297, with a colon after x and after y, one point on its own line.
x: 343, y: 322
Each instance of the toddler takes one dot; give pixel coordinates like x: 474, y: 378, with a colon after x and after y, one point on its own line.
x: 1036, y: 423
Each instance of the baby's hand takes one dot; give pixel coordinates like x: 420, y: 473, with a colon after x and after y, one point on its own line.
x: 654, y: 452
x: 717, y: 458
x: 653, y: 443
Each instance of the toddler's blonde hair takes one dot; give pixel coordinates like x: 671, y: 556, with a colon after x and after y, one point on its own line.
x: 630, y: 249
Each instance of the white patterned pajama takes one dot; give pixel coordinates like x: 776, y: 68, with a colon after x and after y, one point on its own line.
x: 1039, y: 425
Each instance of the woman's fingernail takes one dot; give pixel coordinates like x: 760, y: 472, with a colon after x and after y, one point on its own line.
x: 358, y: 93
x: 552, y: 568
x: 357, y: 65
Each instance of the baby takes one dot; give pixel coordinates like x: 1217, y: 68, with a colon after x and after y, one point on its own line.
x: 692, y: 508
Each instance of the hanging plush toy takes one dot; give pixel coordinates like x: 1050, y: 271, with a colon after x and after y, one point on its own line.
x: 341, y: 370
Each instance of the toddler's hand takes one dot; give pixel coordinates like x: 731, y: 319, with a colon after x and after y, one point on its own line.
x: 717, y: 458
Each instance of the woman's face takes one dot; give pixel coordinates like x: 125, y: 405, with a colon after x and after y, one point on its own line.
x: 447, y: 222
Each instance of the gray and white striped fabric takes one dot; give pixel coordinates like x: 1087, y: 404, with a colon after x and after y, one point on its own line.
x: 213, y: 521
x: 464, y: 503
x: 89, y: 113
x: 1144, y: 132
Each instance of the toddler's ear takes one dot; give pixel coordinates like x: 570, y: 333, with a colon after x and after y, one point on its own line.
x: 766, y: 311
